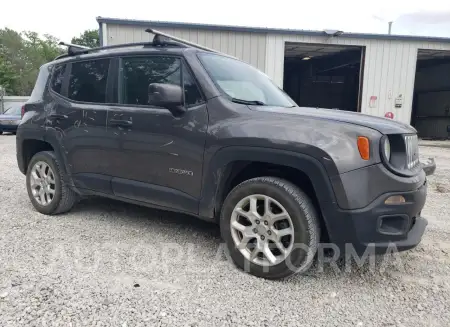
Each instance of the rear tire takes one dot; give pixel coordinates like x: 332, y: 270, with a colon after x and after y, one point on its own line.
x: 293, y: 253
x: 44, y: 175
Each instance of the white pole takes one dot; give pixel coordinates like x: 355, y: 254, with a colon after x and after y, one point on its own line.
x: 1, y: 99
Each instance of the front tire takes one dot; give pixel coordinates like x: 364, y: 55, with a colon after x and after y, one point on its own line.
x: 271, y: 227
x: 46, y: 188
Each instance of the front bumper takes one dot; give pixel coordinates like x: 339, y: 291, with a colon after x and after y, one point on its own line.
x: 429, y: 166
x: 413, y: 238
x: 382, y: 226
x: 378, y: 226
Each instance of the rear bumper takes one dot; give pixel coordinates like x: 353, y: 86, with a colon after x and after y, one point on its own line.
x: 19, y: 154
x: 8, y: 128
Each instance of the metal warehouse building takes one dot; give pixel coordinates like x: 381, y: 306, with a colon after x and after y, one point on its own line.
x: 407, y: 76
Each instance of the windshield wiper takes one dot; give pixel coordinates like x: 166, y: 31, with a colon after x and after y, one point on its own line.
x: 254, y: 102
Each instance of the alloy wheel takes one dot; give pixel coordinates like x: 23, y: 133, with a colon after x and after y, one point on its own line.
x: 262, y: 230
x: 42, y: 183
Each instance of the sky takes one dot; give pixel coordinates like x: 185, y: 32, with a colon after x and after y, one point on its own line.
x: 65, y: 19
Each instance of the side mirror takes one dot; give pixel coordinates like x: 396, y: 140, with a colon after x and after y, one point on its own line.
x: 168, y: 96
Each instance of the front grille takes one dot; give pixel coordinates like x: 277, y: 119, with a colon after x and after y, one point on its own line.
x: 412, y: 151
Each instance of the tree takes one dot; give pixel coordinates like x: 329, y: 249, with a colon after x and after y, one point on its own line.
x: 21, y: 56
x: 8, y: 78
x: 88, y: 38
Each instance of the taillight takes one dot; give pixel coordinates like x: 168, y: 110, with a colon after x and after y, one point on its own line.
x: 22, y: 111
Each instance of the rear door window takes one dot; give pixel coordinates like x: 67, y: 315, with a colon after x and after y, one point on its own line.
x: 88, y: 81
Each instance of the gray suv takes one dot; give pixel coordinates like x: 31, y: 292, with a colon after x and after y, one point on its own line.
x: 172, y: 125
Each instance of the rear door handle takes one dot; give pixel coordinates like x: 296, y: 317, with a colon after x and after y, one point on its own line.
x: 120, y: 122
x: 57, y: 116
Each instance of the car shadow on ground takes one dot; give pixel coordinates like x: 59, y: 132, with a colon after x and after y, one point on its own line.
x: 145, y: 216
x: 191, y: 230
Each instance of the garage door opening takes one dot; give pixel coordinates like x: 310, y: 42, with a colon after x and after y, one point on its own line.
x: 324, y: 76
x: 431, y: 101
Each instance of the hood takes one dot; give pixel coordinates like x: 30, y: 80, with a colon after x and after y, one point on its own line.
x: 10, y: 117
x: 381, y: 124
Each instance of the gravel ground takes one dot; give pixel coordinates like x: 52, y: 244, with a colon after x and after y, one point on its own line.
x: 111, y: 264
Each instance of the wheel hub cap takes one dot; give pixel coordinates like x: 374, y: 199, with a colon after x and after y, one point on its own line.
x: 262, y: 230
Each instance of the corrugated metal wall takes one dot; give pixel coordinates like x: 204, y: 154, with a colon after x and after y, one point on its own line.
x: 249, y: 47
x: 389, y: 68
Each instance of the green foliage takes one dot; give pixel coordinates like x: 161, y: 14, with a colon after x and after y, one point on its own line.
x: 89, y: 38
x: 8, y: 78
x: 21, y: 55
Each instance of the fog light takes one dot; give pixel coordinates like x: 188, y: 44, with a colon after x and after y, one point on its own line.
x: 395, y: 199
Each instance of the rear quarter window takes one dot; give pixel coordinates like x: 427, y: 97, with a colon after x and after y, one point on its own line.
x: 57, y: 78
x: 40, y: 85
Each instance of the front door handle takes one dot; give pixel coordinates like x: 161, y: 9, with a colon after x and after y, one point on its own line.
x: 120, y: 122
x: 57, y: 116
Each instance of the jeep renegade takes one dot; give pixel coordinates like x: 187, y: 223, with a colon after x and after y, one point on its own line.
x: 171, y: 125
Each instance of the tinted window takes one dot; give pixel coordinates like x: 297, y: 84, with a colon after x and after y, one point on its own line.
x: 137, y: 73
x: 192, y: 95
x: 88, y: 81
x: 57, y: 79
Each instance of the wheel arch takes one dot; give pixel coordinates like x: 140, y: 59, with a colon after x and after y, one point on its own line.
x: 30, y: 146
x: 233, y: 164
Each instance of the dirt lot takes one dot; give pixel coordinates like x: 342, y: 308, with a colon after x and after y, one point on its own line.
x: 112, y: 264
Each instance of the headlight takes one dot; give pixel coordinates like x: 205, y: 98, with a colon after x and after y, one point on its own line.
x: 387, y: 149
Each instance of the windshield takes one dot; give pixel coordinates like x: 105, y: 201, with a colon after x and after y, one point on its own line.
x: 242, y: 82
x: 14, y: 110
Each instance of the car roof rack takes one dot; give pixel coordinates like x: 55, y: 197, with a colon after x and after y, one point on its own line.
x: 71, y: 49
x: 78, y: 50
x: 159, y: 40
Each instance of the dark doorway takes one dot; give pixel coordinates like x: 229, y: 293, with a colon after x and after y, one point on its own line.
x: 431, y: 102
x: 324, y: 76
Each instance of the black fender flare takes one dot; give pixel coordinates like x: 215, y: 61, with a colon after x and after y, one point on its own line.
x: 217, y: 170
x: 52, y: 137
x: 44, y: 136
